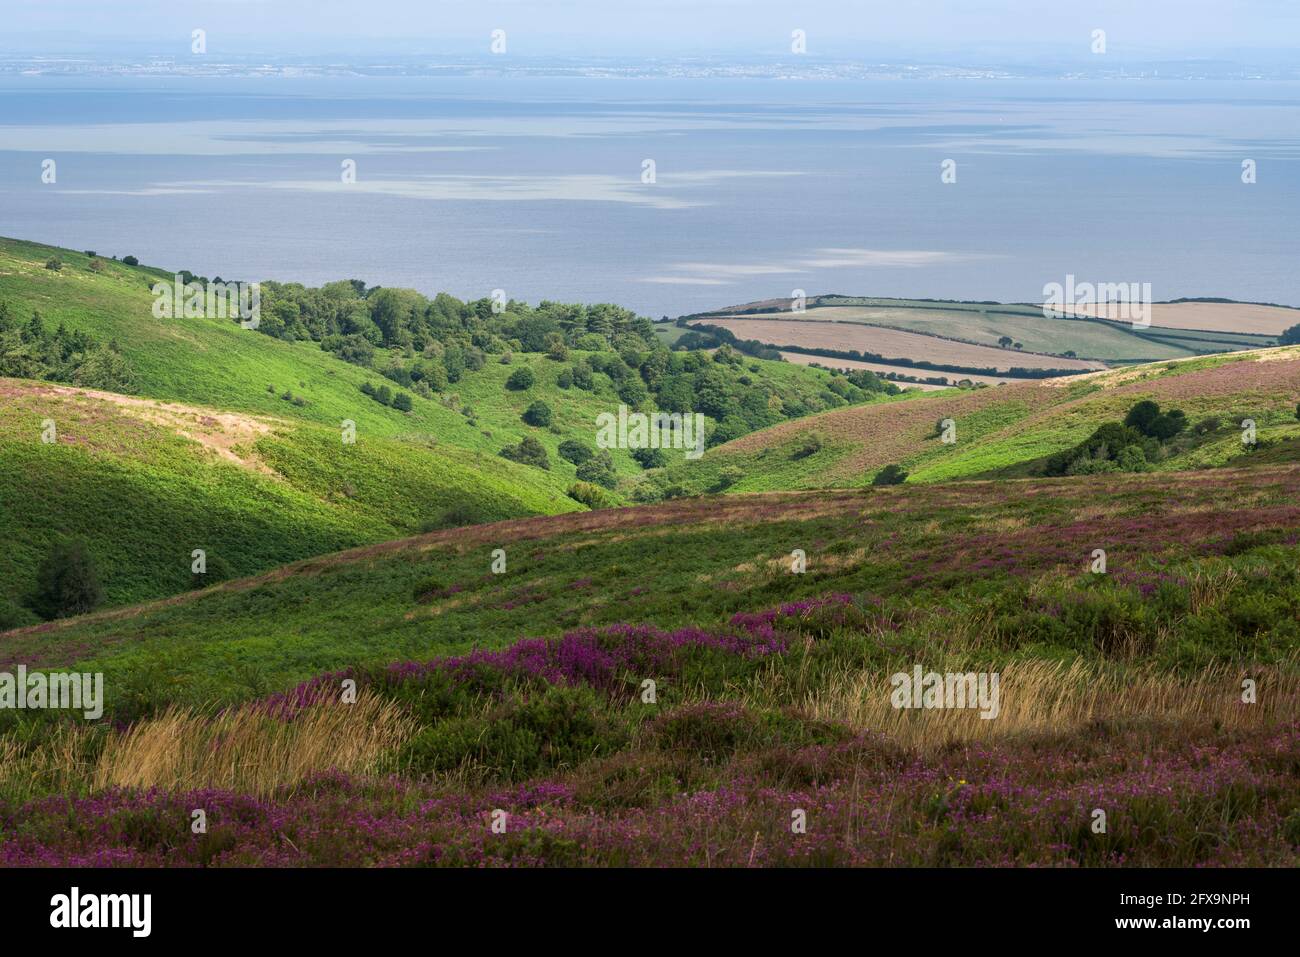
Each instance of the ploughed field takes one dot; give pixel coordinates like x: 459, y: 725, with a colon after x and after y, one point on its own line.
x: 656, y: 685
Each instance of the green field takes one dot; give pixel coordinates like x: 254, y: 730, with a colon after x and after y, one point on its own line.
x: 987, y: 323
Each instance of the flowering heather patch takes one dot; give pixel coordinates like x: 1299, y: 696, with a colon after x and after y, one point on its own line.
x: 1168, y: 802
x: 597, y: 657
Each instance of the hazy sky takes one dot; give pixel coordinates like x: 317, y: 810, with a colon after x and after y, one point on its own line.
x: 988, y: 29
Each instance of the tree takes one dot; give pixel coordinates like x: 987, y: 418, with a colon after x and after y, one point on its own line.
x: 1291, y: 336
x: 1004, y: 341
x: 650, y: 458
x: 67, y: 582
x: 130, y: 261
x: 1142, y: 415
x: 556, y: 349
x: 521, y: 379
x: 574, y: 451
x: 528, y: 452
x: 539, y: 414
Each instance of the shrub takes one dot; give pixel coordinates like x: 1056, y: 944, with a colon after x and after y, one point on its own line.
x: 521, y: 379
x: 810, y: 445
x: 650, y: 458
x: 130, y: 261
x: 402, y: 402
x: 384, y: 395
x: 890, y: 475
x: 14, y: 616
x: 571, y: 450
x: 728, y: 476
x: 528, y: 452
x: 588, y: 494
x: 1131, y: 458
x: 67, y: 582
x: 54, y: 264
x: 1212, y: 423
x: 538, y: 414
x: 218, y: 571
x: 599, y: 469
x: 519, y: 737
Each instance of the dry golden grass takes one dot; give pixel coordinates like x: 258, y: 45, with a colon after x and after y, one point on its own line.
x: 242, y: 750
x: 1055, y: 697
x: 250, y: 752
x: 60, y: 765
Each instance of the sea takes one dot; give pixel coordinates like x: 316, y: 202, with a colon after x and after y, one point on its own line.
x: 668, y: 195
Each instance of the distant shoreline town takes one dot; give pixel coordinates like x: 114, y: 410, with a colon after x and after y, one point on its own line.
x: 786, y: 67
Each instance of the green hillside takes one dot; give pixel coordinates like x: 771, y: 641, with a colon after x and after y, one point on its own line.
x: 143, y: 483
x: 1009, y: 431
x: 938, y: 559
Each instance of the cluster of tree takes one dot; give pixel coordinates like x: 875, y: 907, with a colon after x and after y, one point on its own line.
x: 427, y: 345
x: 30, y: 350
x: 706, y: 336
x: 1290, y: 337
x: 1128, y: 446
x: 385, y: 396
x: 348, y: 318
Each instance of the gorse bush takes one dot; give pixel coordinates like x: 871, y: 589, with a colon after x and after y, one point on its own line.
x: 588, y: 494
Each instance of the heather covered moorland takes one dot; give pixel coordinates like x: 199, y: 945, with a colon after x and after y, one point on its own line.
x: 597, y: 703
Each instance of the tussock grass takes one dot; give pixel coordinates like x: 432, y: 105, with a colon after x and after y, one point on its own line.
x: 243, y: 750
x: 1054, y: 697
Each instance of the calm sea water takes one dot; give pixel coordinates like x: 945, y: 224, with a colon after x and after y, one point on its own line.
x: 761, y: 187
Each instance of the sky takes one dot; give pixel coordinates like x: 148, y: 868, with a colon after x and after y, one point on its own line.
x: 899, y: 29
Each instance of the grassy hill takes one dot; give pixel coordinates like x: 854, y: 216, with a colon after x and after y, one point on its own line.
x: 144, y: 483
x: 933, y: 553
x: 237, y: 447
x: 1009, y: 430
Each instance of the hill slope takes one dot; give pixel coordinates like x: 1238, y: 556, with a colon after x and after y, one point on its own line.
x: 1009, y: 430
x: 144, y: 483
x: 936, y: 555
